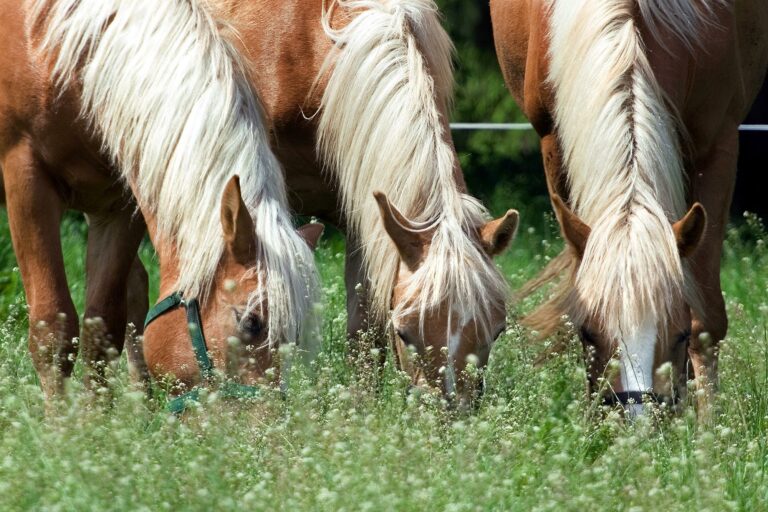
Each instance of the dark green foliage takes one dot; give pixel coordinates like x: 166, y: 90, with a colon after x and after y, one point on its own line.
x: 503, y: 168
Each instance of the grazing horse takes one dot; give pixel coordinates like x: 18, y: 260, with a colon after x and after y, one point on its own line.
x: 370, y: 84
x: 158, y: 89
x: 638, y: 104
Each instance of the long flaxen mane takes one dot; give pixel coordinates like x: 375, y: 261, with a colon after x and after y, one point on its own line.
x: 165, y: 87
x: 382, y: 127
x: 621, y: 144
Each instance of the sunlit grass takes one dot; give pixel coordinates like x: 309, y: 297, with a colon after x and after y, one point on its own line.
x: 356, y: 440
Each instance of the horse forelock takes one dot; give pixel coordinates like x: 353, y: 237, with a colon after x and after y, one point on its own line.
x: 609, y: 103
x: 382, y: 127
x: 168, y: 93
x: 470, y: 286
x: 622, y: 281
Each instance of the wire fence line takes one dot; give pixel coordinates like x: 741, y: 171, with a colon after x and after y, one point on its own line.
x: 492, y: 126
x: 527, y: 126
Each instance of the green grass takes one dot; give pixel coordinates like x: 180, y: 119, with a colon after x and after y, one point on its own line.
x: 342, y: 442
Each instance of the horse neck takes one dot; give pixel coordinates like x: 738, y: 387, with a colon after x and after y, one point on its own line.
x: 458, y: 174
x: 609, y: 103
x: 167, y: 256
x: 442, y: 197
x: 391, y: 79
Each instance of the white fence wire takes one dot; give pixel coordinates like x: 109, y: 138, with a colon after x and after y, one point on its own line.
x: 527, y: 126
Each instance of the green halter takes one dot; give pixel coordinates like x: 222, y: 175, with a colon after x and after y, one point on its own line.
x: 227, y: 389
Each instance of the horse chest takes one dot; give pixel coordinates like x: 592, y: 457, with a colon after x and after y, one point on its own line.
x: 86, y: 181
x: 311, y: 192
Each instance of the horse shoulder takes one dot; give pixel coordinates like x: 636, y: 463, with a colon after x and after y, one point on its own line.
x: 20, y: 83
x: 520, y: 35
x: 752, y: 29
x: 724, y: 76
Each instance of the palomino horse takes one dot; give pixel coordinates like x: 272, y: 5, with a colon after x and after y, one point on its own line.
x: 418, y: 247
x: 638, y: 104
x: 167, y: 93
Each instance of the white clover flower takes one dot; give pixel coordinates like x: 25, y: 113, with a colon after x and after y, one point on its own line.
x: 665, y: 369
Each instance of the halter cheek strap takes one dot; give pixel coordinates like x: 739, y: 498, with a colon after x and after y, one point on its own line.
x: 227, y: 389
x: 194, y: 324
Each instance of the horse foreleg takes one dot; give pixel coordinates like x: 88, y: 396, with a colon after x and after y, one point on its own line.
x: 112, y: 244
x: 359, y: 322
x: 553, y: 167
x: 138, y: 304
x: 713, y: 187
x: 356, y: 284
x: 35, y: 208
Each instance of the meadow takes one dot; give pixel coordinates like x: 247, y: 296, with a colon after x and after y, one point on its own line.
x: 348, y: 438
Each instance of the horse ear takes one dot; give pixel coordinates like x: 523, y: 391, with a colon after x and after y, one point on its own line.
x: 239, y: 233
x: 410, y: 243
x: 690, y: 229
x: 575, y: 231
x: 497, y: 234
x: 311, y: 233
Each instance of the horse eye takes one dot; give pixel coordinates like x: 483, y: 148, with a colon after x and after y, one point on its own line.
x: 404, y: 338
x: 684, y: 337
x: 250, y: 325
x: 496, y: 336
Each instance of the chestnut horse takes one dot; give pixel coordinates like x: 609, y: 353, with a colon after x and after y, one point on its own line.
x: 638, y: 103
x: 166, y: 93
x: 370, y: 82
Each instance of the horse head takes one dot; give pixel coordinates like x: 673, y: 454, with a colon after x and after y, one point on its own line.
x: 232, y: 319
x: 452, y: 335
x: 650, y: 343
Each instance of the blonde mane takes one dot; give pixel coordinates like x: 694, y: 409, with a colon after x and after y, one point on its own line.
x: 167, y: 91
x: 383, y: 127
x: 621, y: 144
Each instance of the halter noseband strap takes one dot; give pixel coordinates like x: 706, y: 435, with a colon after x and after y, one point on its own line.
x: 227, y: 389
x: 194, y: 324
x: 625, y: 398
